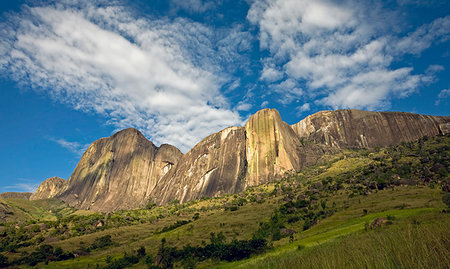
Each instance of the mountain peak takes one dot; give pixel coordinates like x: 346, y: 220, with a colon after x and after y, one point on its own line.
x: 118, y: 172
x: 51, y: 187
x: 126, y: 170
x: 272, y: 147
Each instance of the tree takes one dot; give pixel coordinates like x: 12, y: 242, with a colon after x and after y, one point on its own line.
x: 196, y: 216
x: 3, y: 261
x: 141, y: 252
x: 446, y: 199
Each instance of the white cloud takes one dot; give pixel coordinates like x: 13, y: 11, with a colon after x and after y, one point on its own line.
x: 414, y: 43
x: 340, y: 54
x: 74, y: 147
x: 444, y: 94
x: 159, y: 76
x: 242, y: 106
x: 264, y: 104
x: 303, y: 108
x: 435, y: 68
x: 192, y: 6
x: 271, y: 74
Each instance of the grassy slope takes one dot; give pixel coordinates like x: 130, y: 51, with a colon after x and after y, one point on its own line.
x: 423, y: 205
x: 41, y: 210
x: 333, y: 234
x: 419, y: 239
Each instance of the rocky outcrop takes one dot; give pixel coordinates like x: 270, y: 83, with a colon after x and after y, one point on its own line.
x: 215, y: 166
x: 15, y: 195
x: 126, y: 170
x: 118, y: 172
x: 50, y: 188
x: 364, y: 129
x: 235, y: 158
x: 272, y: 147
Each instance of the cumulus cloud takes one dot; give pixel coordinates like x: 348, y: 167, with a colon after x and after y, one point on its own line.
x: 154, y: 74
x: 340, y: 54
x: 303, y: 108
x: 242, y: 106
x: 271, y: 74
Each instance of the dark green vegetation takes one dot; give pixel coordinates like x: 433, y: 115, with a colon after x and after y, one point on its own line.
x: 322, y: 217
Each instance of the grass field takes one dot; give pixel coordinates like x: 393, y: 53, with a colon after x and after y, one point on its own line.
x: 416, y: 229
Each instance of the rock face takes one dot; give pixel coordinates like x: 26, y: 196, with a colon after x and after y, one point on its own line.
x: 272, y: 147
x: 118, y: 172
x: 363, y: 129
x: 233, y: 159
x: 126, y: 170
x: 215, y: 166
x: 50, y: 188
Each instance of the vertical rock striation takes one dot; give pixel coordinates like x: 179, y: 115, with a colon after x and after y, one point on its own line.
x: 215, y: 166
x: 272, y: 147
x: 118, y: 172
x: 125, y: 170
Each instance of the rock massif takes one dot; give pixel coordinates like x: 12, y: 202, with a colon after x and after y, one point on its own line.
x: 118, y: 172
x: 126, y: 170
x: 364, y: 129
x: 215, y: 166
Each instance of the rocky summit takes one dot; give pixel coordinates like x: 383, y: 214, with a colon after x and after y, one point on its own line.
x: 126, y: 170
x: 49, y: 188
x: 363, y: 129
x: 118, y: 172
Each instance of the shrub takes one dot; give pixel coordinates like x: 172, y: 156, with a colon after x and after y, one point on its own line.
x: 126, y: 261
x: 101, y: 242
x: 446, y: 199
x: 141, y: 252
x: 3, y: 261
x: 175, y: 225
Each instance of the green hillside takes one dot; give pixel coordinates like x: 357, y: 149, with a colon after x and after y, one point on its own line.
x: 319, y: 218
x: 24, y: 210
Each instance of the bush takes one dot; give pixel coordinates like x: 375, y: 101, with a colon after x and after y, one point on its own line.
x: 3, y: 261
x: 446, y: 199
x: 175, y: 225
x: 141, y: 252
x: 45, y: 253
x: 101, y: 242
x: 126, y: 261
x: 196, y: 216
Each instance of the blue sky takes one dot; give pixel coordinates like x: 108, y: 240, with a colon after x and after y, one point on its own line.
x: 178, y: 70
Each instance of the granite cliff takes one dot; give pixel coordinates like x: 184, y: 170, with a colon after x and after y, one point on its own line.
x: 216, y: 165
x: 363, y: 129
x: 126, y: 170
x: 118, y: 172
